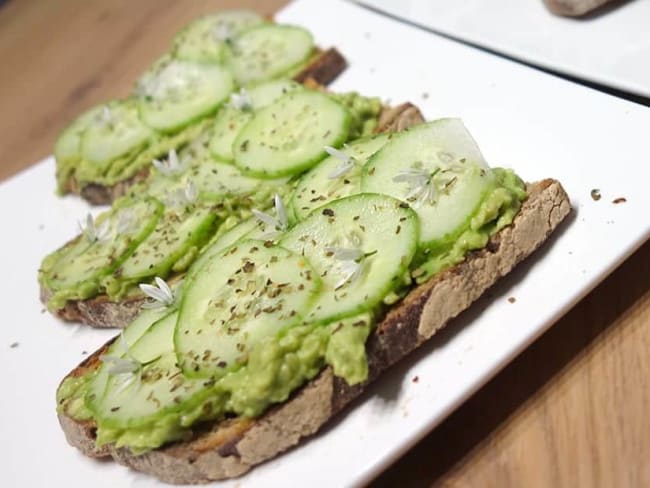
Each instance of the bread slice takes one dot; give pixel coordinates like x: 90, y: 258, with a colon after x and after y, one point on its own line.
x: 230, y: 448
x: 574, y: 8
x: 101, y: 312
x: 324, y: 67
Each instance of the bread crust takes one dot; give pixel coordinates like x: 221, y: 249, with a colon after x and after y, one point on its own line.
x: 574, y: 8
x: 229, y: 449
x: 323, y: 69
x: 101, y: 312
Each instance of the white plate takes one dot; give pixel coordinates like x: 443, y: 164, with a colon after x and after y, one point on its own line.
x: 582, y: 137
x: 612, y: 49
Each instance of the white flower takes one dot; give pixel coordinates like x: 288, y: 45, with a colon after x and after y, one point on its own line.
x: 170, y: 166
x: 106, y: 116
x: 125, y: 366
x: 241, y: 100
x: 162, y: 294
x: 279, y: 223
x: 181, y: 197
x: 347, y: 162
x: 126, y: 221
x: 349, y: 264
x: 421, y: 188
x: 222, y: 32
x: 94, y: 233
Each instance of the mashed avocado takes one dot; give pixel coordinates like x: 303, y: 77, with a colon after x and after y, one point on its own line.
x: 365, y: 112
x: 71, y: 165
x: 496, y: 211
x: 278, y: 365
x: 275, y: 368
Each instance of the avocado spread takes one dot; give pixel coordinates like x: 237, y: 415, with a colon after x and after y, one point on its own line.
x: 71, y: 164
x: 275, y: 368
x: 278, y: 365
x: 495, y: 211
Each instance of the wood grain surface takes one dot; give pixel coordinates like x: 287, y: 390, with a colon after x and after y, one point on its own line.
x: 571, y: 411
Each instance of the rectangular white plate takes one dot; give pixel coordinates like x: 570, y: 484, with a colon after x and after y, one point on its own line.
x: 541, y: 125
x: 612, y: 49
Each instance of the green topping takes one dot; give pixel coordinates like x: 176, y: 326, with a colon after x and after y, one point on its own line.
x: 256, y: 319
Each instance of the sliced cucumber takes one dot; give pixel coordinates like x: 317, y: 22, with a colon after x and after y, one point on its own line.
x: 128, y: 337
x: 268, y: 51
x: 100, y: 251
x: 67, y: 149
x: 236, y: 299
x: 230, y: 120
x: 227, y: 124
x: 290, y: 135
x: 360, y: 246
x: 154, y: 389
x: 215, y: 180
x: 176, y: 235
x: 178, y: 92
x: 335, y: 177
x: 114, y: 131
x: 267, y: 92
x: 437, y: 169
x: 228, y: 238
x: 206, y: 39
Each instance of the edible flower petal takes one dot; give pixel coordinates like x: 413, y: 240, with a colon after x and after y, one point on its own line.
x: 347, y: 162
x: 161, y: 294
x: 279, y: 223
x: 94, y: 233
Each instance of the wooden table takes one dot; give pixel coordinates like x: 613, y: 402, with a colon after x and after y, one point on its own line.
x: 571, y: 411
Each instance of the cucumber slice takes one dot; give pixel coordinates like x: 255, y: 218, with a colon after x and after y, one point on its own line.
x: 68, y: 145
x: 238, y: 298
x: 178, y: 92
x: 438, y: 169
x: 153, y: 389
x: 360, y: 246
x: 129, y: 336
x: 206, y: 39
x: 99, y: 251
x: 215, y: 180
x: 335, y: 177
x: 227, y: 124
x: 268, y: 51
x: 289, y: 135
x: 267, y: 92
x: 227, y: 239
x: 230, y: 120
x: 176, y: 235
x: 114, y: 131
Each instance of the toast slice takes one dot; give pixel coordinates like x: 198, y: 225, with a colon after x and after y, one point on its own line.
x: 231, y: 447
x: 574, y: 8
x: 101, y: 312
x: 324, y: 67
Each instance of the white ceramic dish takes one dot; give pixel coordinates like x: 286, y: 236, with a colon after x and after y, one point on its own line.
x: 611, y: 49
x: 582, y: 137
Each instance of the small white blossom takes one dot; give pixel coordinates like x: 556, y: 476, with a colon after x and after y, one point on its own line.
x: 241, y: 100
x: 94, y: 233
x: 169, y: 166
x: 162, y: 294
x: 278, y: 224
x: 182, y: 197
x: 222, y: 32
x: 126, y: 221
x: 347, y: 162
x: 106, y: 116
x: 124, y: 365
x: 421, y: 188
x: 349, y: 264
